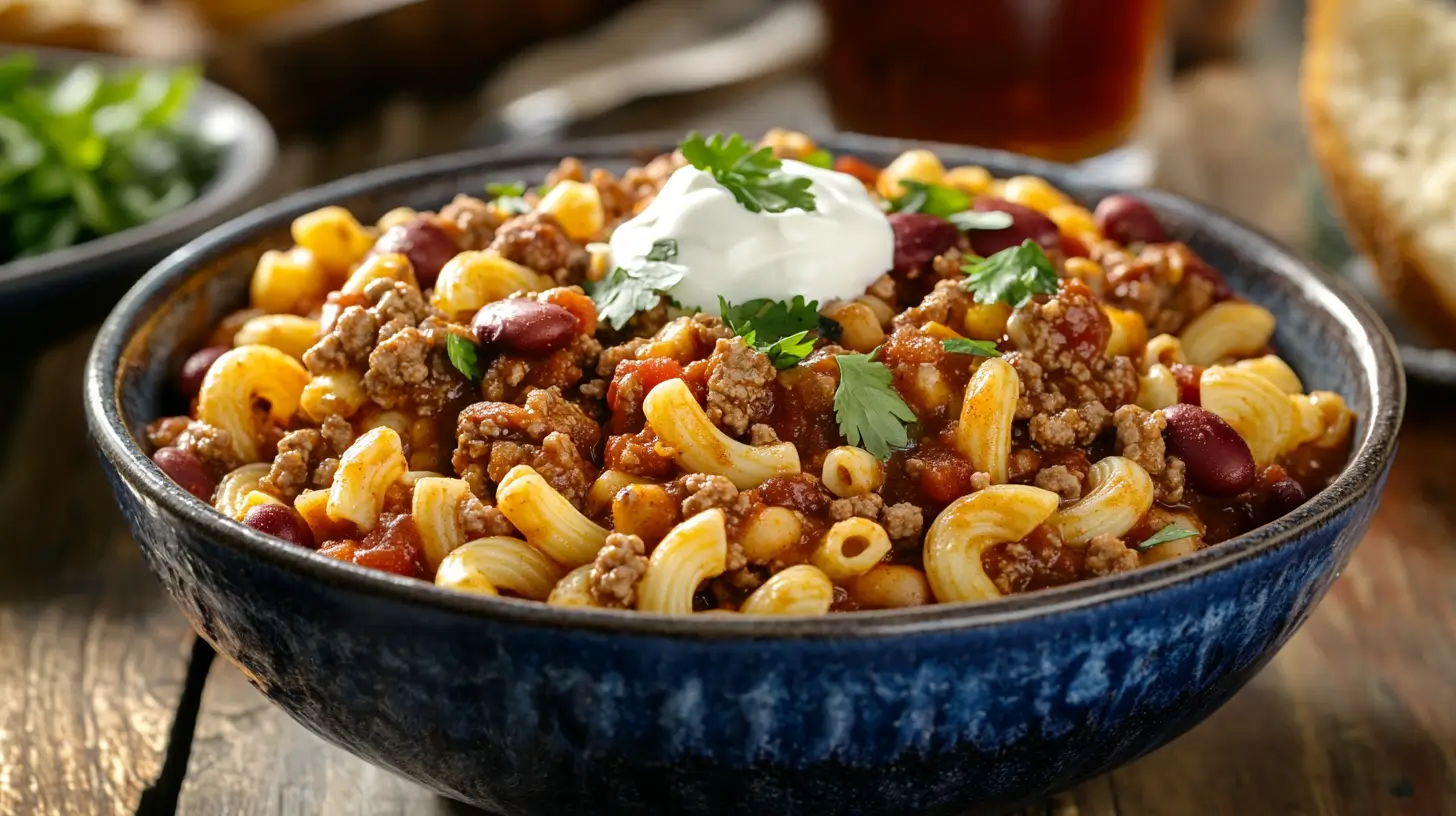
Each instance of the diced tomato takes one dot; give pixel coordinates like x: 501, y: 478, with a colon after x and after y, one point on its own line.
x: 648, y: 374
x: 859, y: 168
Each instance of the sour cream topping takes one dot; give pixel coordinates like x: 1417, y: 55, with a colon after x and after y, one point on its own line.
x: 831, y: 253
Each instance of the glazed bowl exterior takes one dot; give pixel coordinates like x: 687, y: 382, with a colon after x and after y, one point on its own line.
x: 527, y: 709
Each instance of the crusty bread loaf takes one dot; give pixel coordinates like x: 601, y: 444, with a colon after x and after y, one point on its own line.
x: 1379, y: 92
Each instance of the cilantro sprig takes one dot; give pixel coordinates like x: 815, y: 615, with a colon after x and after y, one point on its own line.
x: 638, y: 286
x: 870, y: 412
x: 509, y: 197
x: 1170, y: 533
x: 785, y: 331
x: 962, y: 345
x: 820, y: 158
x: 1012, y: 275
x: 754, y: 177
x: 464, y: 356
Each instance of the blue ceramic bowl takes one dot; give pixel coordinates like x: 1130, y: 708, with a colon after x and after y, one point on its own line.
x: 524, y: 708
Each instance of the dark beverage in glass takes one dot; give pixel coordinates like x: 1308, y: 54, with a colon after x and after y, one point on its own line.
x: 1061, y: 79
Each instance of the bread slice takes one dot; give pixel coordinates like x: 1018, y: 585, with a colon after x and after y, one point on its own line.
x: 1379, y: 92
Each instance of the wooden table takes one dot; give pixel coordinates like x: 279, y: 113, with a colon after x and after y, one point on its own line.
x: 110, y: 705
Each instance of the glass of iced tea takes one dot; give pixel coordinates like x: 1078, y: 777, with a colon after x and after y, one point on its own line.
x: 1065, y: 80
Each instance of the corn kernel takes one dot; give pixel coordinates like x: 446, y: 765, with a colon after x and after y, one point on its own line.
x: 578, y: 206
x: 291, y: 334
x: 600, y: 254
x: 397, y: 217
x: 987, y: 321
x: 788, y: 144
x: 939, y: 331
x: 1034, y: 192
x: 912, y: 165
x: 1075, y: 221
x: 334, y: 237
x: 1129, y: 333
x: 969, y: 179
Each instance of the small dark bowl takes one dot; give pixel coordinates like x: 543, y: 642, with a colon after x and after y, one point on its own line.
x: 99, y: 271
x: 525, y: 708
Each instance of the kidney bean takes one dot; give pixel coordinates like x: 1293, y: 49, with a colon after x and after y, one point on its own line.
x: 427, y: 247
x: 1284, y: 495
x: 1025, y: 223
x: 184, y: 468
x: 1194, y: 265
x: 194, y: 370
x: 1217, y: 459
x: 1189, y: 379
x: 919, y: 238
x: 524, y: 326
x: 279, y: 521
x: 1127, y: 220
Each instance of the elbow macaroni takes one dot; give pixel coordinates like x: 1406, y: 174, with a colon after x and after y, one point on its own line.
x: 488, y: 566
x: 693, y: 552
x: 971, y: 524
x: 366, y: 472
x: 237, y: 381
x: 699, y: 447
x: 1255, y: 407
x: 334, y: 237
x: 798, y: 590
x: 435, y: 507
x: 1275, y: 370
x: 231, y: 496
x: 983, y: 435
x: 850, y: 471
x: 574, y: 589
x: 1119, y: 492
x: 769, y: 533
x: 287, y: 282
x: 1158, y: 388
x: 851, y: 547
x: 546, y: 519
x: 1227, y: 329
x: 472, y: 279
x: 290, y: 334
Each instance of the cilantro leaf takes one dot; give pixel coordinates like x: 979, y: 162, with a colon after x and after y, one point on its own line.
x: 819, y: 158
x: 870, y: 412
x: 931, y: 199
x: 754, y: 177
x: 1012, y: 275
x: 778, y: 329
x: 1170, y: 533
x: 638, y: 287
x: 464, y: 356
x: 509, y: 197
x: 981, y: 220
x: 961, y: 345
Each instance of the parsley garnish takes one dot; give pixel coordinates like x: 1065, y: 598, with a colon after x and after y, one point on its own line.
x: 981, y: 220
x: 778, y: 329
x: 509, y: 198
x: 1012, y: 275
x: 627, y: 291
x: 820, y: 158
x: 463, y: 355
x: 931, y: 199
x: 870, y: 412
x: 754, y: 177
x: 961, y: 345
x: 1170, y: 533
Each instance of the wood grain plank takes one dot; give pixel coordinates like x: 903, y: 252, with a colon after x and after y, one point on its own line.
x: 92, y: 653
x: 249, y: 758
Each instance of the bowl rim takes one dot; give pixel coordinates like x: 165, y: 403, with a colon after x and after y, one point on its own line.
x: 1376, y: 360
x: 246, y: 161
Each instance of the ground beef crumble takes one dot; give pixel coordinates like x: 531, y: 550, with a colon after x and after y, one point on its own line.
x: 307, y: 458
x: 617, y: 570
x: 1140, y: 439
x: 212, y: 446
x: 702, y: 491
x: 538, y: 241
x: 902, y: 521
x: 470, y: 221
x: 550, y: 433
x: 1106, y: 554
x: 1060, y: 480
x: 738, y: 386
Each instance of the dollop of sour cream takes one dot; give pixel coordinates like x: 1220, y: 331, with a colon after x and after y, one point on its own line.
x: 831, y: 253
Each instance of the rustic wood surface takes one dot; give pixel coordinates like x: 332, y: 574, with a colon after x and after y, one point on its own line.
x: 106, y: 705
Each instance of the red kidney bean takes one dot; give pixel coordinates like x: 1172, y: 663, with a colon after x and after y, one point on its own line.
x: 1217, y: 459
x: 279, y: 521
x: 184, y: 468
x: 1189, y: 379
x: 1025, y: 223
x: 1284, y: 495
x: 1127, y: 220
x: 1195, y: 265
x: 524, y: 326
x: 194, y: 370
x: 919, y: 238
x: 427, y: 247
